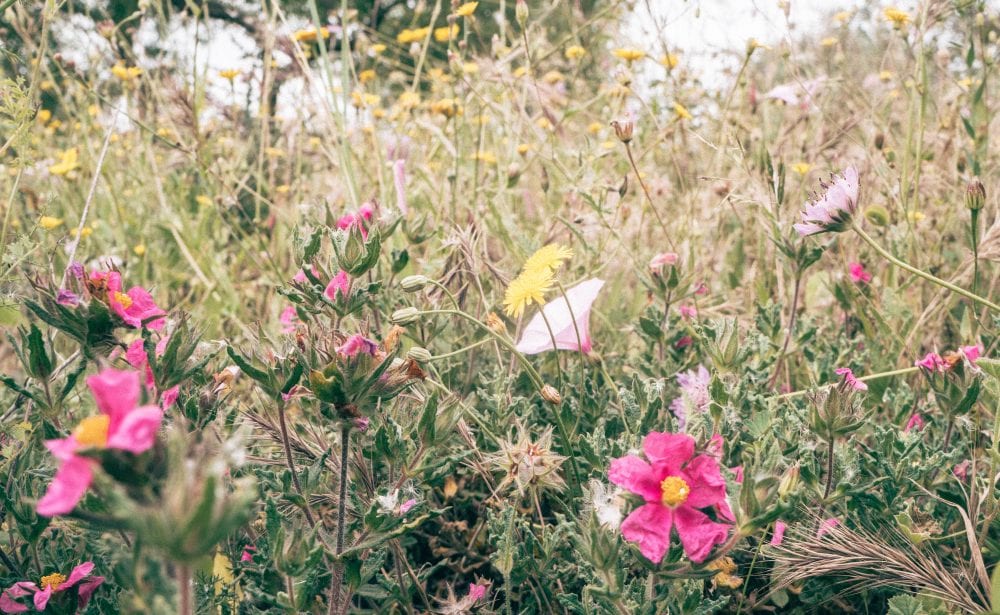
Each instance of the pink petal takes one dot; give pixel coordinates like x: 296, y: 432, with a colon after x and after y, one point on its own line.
x: 649, y: 527
x: 41, y: 598
x: 826, y: 526
x: 8, y: 599
x: 779, y: 533
x: 566, y: 316
x: 115, y: 391
x: 703, y: 476
x: 63, y: 449
x: 340, y: 284
x: 668, y: 451
x: 87, y: 588
x: 637, y: 476
x: 67, y: 487
x: 142, y: 308
x: 476, y: 592
x: 698, y: 533
x: 971, y: 353
x: 168, y: 397
x: 136, y: 433
x: 78, y: 574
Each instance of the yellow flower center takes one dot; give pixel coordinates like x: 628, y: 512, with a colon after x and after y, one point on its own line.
x: 53, y: 580
x: 93, y: 431
x: 674, y: 490
x: 123, y: 299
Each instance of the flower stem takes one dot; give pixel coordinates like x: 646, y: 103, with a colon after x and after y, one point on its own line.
x: 336, y: 584
x: 923, y: 274
x: 184, y: 587
x: 788, y: 334
x: 291, y: 464
x: 829, y: 469
x: 876, y: 376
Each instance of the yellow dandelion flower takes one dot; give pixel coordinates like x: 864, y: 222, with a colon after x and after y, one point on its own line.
x: 366, y: 75
x: 829, y: 41
x: 527, y: 288
x: 44, y: 115
x: 553, y: 77
x: 487, y: 157
x: 46, y: 85
x: 467, y: 9
x: 670, y: 60
x: 682, y: 112
x: 49, y: 222
x: 916, y: 216
x: 93, y: 110
x: 229, y: 74
x: 413, y: 35
x: 594, y: 127
x: 885, y: 75
x: 86, y: 232
x: 801, y: 167
x: 309, y: 35
x: 548, y: 258
x: 628, y: 54
x: 470, y: 68
x: 68, y: 162
x: 544, y: 123
x: 575, y: 52
x: 203, y: 200
x: 408, y: 100
x: 520, y: 71
x: 125, y: 73
x: 448, y: 107
x: 445, y: 34
x: 897, y: 17
x: 524, y: 148
x: 139, y: 250
x: 378, y: 48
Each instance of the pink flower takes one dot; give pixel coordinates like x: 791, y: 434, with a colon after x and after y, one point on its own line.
x: 355, y: 344
x: 961, y: 470
x: 850, y: 380
x: 694, y: 395
x: 247, y: 555
x: 399, y: 180
x: 657, y: 263
x: 133, y: 306
x: 120, y: 425
x: 357, y: 219
x: 701, y: 289
x: 779, y: 533
x: 340, y: 284
x: 477, y: 592
x: 932, y: 362
x: 835, y: 209
x: 916, y: 422
x: 136, y: 356
x: 826, y: 526
x: 684, y: 342
x: 361, y: 423
x: 971, y: 353
x: 55, y: 583
x: 67, y: 298
x: 406, y: 506
x: 796, y: 94
x: 676, y: 485
x: 567, y: 316
x: 289, y: 319
x: 858, y: 273
x: 687, y: 311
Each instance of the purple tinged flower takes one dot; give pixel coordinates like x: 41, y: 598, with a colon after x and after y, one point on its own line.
x: 67, y: 298
x: 564, y: 322
x: 916, y: 422
x: 834, y: 210
x: 694, y: 395
x: 932, y: 362
x: 76, y: 270
x: 356, y: 344
x: 779, y: 533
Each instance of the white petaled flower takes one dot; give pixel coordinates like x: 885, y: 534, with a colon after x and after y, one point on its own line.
x: 606, y: 501
x: 833, y: 212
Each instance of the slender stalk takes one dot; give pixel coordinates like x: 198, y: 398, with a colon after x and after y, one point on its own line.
x: 291, y: 464
x: 336, y: 584
x: 923, y: 274
x: 645, y: 190
x: 829, y: 469
x: 868, y: 378
x: 184, y: 587
x: 788, y: 334
x: 975, y: 250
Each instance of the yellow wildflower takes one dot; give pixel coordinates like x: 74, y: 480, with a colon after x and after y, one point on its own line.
x: 842, y: 16
x: 274, y: 152
x: 44, y: 115
x: 448, y: 107
x: 548, y: 258
x: 378, y: 48
x: 49, y: 222
x: 524, y: 148
x: 467, y: 9
x: 229, y: 74
x: 916, y: 216
x: 310, y: 35
x: 86, y: 232
x: 885, y: 75
x: 520, y: 71
x: 897, y: 17
x: 801, y: 167
x: 527, y: 288
x: 629, y: 55
x: 366, y: 75
x: 470, y: 68
x: 67, y: 162
x: 140, y: 250
x: 412, y: 35
x: 445, y: 34
x: 552, y: 77
x: 408, y: 100
x: 670, y: 60
x: 682, y: 112
x: 829, y: 41
x: 594, y: 127
x: 575, y: 52
x: 486, y: 157
x: 125, y: 73
x: 544, y: 123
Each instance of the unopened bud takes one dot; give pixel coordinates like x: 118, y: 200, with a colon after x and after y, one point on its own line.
x: 495, y: 324
x: 521, y: 12
x: 975, y: 195
x: 879, y: 141
x: 414, y: 283
x: 623, y: 130
x: 877, y: 215
x: 405, y: 316
x: 419, y: 354
x: 789, y: 481
x: 551, y: 395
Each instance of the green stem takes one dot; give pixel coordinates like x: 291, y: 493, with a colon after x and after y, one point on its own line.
x: 876, y: 376
x: 923, y: 274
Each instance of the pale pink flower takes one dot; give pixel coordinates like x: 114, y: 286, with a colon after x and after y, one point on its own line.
x: 79, y: 577
x: 247, y: 555
x: 961, y: 470
x: 127, y: 428
x: 358, y: 219
x: 687, y: 312
x: 567, y: 316
x: 798, y: 94
x: 136, y: 356
x: 289, y: 319
x: 826, y: 526
x: 932, y: 362
x: 406, y: 506
x: 971, y: 353
x: 340, y: 284
x: 858, y: 273
x: 779, y: 533
x: 850, y: 379
x: 662, y: 259
x: 694, y: 395
x: 675, y: 484
x: 834, y: 210
x: 916, y: 422
x: 356, y: 344
x: 361, y: 423
x: 477, y: 591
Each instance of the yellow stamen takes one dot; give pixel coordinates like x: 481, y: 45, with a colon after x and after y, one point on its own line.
x: 123, y: 299
x: 53, y: 580
x: 675, y: 491
x: 93, y: 431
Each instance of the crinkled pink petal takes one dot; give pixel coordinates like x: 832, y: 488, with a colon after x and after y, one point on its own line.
x: 971, y: 353
x: 649, y: 527
x: 79, y: 572
x: 668, y: 451
x: 725, y: 511
x: 567, y: 316
x: 115, y: 391
x: 67, y: 488
x: 168, y: 397
x: 87, y: 588
x: 637, y: 476
x: 779, y: 533
x: 932, y: 361
x: 41, y: 598
x: 143, y: 307
x: 136, y: 433
x: 476, y: 592
x: 406, y: 506
x: 355, y: 344
x: 63, y: 449
x: 826, y: 526
x: 704, y: 478
x: 8, y: 599
x: 340, y: 284
x: 698, y: 533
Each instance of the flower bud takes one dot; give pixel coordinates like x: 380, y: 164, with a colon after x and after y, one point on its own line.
x: 405, y: 316
x: 975, y: 195
x: 877, y: 215
x: 789, y: 481
x: 414, y: 283
x: 495, y: 324
x: 551, y: 395
x: 521, y: 13
x: 623, y: 130
x: 419, y: 354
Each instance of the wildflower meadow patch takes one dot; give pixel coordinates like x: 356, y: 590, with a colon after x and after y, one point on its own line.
x: 503, y: 307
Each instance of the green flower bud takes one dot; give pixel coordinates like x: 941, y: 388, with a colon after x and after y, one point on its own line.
x: 414, y: 283
x: 419, y: 354
x: 975, y: 195
x: 405, y: 316
x: 877, y: 215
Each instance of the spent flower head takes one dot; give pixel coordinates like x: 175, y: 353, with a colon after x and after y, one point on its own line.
x: 833, y: 211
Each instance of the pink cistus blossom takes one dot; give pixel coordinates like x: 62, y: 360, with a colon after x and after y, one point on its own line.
x: 658, y: 262
x: 476, y: 592
x: 133, y: 306
x: 247, y: 555
x: 779, y: 533
x: 120, y: 425
x: 833, y: 211
x: 67, y: 298
x: 971, y: 353
x: 961, y: 470
x: 826, y: 525
x: 683, y: 342
x: 850, y: 380
x: 798, y: 94
x: 138, y: 358
x: 356, y: 344
x: 676, y: 485
x: 289, y: 319
x: 568, y: 321
x: 687, y: 312
x: 858, y: 273
x: 694, y: 395
x: 339, y: 285
x: 359, y: 219
x: 79, y: 578
x: 916, y: 422
x: 932, y: 362
x: 406, y: 506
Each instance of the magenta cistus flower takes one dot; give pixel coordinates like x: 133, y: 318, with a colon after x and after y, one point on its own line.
x: 50, y: 584
x: 833, y: 212
x: 850, y: 379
